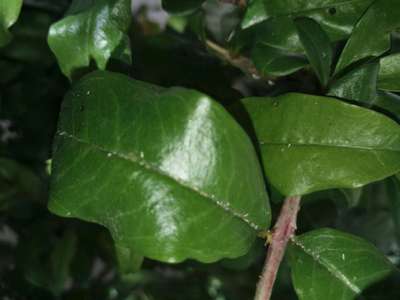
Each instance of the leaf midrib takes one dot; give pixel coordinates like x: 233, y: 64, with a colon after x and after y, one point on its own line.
x: 335, y: 272
x: 297, y: 144
x: 135, y: 159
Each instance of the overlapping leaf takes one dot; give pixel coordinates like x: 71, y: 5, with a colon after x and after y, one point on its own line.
x: 389, y: 73
x: 91, y: 30
x: 271, y: 61
x: 371, y: 35
x: 328, y: 264
x: 168, y: 171
x: 359, y: 84
x: 9, y: 12
x: 322, y: 143
x: 336, y: 17
x: 317, y: 46
x: 278, y: 50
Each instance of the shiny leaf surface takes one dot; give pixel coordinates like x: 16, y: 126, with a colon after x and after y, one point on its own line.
x: 317, y: 46
x: 389, y: 73
x: 332, y: 265
x: 281, y: 33
x: 371, y: 35
x: 276, y: 62
x: 9, y: 12
x: 337, y: 18
x: 255, y: 13
x: 90, y: 31
x: 322, y: 143
x: 359, y: 84
x: 167, y: 171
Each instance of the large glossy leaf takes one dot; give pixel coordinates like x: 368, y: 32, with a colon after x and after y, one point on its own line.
x: 359, y: 84
x: 336, y: 17
x: 168, y: 171
x: 317, y: 46
x: 389, y: 73
x: 310, y: 143
x: 371, y: 35
x: 91, y: 30
x: 9, y: 12
x: 332, y: 265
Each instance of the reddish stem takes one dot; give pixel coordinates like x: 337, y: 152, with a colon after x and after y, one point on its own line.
x: 283, y: 230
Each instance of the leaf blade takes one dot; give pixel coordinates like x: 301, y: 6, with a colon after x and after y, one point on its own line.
x: 389, y: 73
x: 330, y: 264
x: 359, y: 84
x: 307, y: 135
x: 371, y: 35
x: 317, y: 46
x: 9, y: 12
x: 92, y: 31
x: 174, y: 189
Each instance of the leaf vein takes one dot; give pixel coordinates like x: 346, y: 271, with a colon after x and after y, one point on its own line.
x: 133, y: 158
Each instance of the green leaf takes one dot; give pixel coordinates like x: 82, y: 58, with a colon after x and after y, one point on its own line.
x: 287, y: 39
x: 318, y: 47
x: 329, y: 264
x: 389, y: 73
x: 9, y: 12
x: 255, y: 13
x: 390, y: 102
x: 271, y: 61
x: 371, y: 35
x: 359, y: 84
x: 310, y: 143
x: 167, y: 171
x: 177, y: 7
x: 337, y: 18
x: 91, y: 30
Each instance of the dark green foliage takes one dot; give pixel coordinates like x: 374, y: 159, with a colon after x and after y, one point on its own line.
x: 142, y: 161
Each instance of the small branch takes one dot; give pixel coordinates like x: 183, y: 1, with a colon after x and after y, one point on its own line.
x: 284, y: 229
x: 241, y: 62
